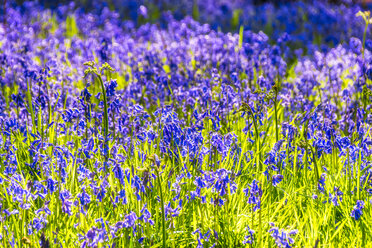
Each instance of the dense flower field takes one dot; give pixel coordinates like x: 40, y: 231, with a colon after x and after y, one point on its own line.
x: 160, y: 132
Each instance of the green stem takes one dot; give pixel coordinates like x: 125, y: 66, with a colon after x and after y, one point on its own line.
x: 31, y: 109
x: 276, y: 120
x: 269, y: 204
x: 260, y: 226
x: 359, y: 174
x: 252, y: 226
x: 162, y: 209
x: 314, y: 151
x: 257, y: 139
x: 105, y: 114
x: 364, y: 38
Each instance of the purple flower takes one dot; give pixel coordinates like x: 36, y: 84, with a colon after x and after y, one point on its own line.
x: 142, y: 11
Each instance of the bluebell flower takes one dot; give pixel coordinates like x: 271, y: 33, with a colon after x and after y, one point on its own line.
x: 9, y: 213
x: 249, y: 239
x: 321, y: 183
x: 110, y: 88
x: 38, y: 223
x: 94, y: 236
x: 146, y: 215
x: 139, y: 186
x: 44, y: 209
x: 254, y: 193
x: 171, y: 212
x: 52, y: 185
x: 202, y: 238
x: 84, y: 199
x: 357, y: 211
x: 129, y: 221
x: 337, y: 197
x: 355, y: 45
x: 282, y: 237
x: 140, y: 240
x: 142, y: 10
x: 121, y: 195
x: 276, y: 179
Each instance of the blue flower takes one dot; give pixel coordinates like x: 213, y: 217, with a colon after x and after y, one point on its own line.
x: 277, y: 179
x: 129, y: 221
x: 337, y: 197
x: 84, y: 199
x: 110, y: 88
x: 282, y: 237
x: 355, y: 45
x: 52, y: 185
x: 357, y: 211
x: 321, y: 183
x: 202, y: 238
x: 254, y: 194
x: 146, y: 215
x: 249, y: 239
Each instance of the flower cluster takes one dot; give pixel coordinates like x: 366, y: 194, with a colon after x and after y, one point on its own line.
x: 282, y: 237
x: 128, y: 133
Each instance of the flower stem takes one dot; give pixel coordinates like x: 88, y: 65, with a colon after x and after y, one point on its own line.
x: 162, y: 208
x: 105, y: 114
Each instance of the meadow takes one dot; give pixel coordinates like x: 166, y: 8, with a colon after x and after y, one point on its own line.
x: 234, y: 126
